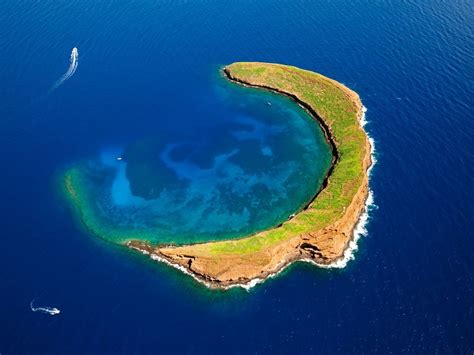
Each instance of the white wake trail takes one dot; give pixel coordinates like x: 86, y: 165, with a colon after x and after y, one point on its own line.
x: 48, y: 310
x: 70, y: 71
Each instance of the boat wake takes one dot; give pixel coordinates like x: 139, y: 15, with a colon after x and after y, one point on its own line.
x: 74, y: 61
x: 48, y: 310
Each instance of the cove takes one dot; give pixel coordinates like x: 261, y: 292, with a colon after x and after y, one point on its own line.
x: 252, y: 160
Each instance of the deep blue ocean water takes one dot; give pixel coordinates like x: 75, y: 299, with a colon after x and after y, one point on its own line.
x: 151, y: 66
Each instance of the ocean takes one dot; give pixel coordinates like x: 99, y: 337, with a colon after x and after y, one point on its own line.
x: 148, y: 71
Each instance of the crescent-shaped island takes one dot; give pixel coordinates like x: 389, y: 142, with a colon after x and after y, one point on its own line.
x: 322, y: 231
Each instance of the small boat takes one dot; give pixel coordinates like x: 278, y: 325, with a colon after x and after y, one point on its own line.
x: 48, y: 310
x: 119, y: 158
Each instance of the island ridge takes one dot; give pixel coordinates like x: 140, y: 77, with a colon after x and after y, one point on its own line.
x: 322, y: 231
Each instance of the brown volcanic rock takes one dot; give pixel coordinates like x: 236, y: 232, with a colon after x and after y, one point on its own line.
x: 323, y: 246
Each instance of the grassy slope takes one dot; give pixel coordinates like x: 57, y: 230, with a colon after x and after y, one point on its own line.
x: 339, y: 110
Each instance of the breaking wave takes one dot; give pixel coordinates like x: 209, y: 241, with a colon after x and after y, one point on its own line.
x: 360, y: 229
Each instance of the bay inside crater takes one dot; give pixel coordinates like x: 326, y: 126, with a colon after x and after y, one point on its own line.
x: 251, y: 160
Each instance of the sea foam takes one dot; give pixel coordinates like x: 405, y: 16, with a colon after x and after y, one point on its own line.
x: 360, y: 229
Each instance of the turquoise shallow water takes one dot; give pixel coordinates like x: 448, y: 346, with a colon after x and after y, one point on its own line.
x: 256, y: 158
x: 148, y: 75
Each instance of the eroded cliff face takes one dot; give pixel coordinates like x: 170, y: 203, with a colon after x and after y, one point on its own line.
x: 323, y: 246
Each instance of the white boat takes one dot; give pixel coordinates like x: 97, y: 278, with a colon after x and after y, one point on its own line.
x: 48, y: 310
x: 74, y: 54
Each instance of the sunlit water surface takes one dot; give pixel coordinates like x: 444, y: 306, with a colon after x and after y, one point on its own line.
x: 147, y: 85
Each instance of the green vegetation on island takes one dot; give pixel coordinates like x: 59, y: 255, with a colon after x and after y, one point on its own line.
x: 340, y: 111
x: 321, y: 231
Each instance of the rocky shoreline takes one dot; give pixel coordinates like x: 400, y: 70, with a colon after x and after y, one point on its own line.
x: 322, y: 246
